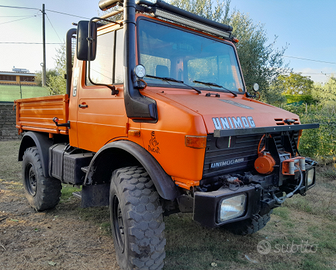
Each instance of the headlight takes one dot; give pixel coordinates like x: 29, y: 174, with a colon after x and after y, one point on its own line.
x: 140, y: 71
x: 232, y: 207
x: 310, y: 177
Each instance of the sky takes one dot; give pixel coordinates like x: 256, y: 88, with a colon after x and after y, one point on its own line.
x: 305, y: 27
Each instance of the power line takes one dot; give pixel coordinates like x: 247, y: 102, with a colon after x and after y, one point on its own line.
x: 19, y: 7
x: 19, y: 19
x: 312, y: 60
x: 29, y: 42
x: 302, y: 72
x: 66, y: 14
x: 53, y: 27
x: 11, y: 16
x: 317, y: 73
x: 72, y: 15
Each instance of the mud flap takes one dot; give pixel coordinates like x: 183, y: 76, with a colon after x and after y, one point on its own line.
x: 95, y: 195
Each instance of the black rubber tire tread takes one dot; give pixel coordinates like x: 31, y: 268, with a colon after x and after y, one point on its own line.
x: 48, y: 190
x: 249, y: 226
x: 142, y: 220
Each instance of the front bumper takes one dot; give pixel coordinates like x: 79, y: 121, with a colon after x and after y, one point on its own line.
x: 259, y: 200
x: 207, y: 204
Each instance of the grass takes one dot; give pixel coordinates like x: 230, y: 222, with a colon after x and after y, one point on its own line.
x: 307, y: 221
x: 321, y: 200
x: 301, y: 221
x: 67, y: 191
x: 12, y: 92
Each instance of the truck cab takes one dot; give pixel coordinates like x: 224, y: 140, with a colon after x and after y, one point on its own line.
x: 157, y: 120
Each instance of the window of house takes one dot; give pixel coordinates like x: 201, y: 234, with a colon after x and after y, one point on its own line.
x: 7, y: 78
x: 27, y: 79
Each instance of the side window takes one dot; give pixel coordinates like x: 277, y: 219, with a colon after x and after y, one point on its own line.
x: 108, y: 67
x: 101, y: 69
x: 119, y: 57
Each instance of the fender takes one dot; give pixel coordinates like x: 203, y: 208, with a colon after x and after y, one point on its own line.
x: 118, y: 154
x: 42, y: 142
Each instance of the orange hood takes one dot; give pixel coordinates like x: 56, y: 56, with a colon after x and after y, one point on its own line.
x: 229, y: 112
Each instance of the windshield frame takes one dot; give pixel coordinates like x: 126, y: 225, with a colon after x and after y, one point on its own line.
x: 194, y: 32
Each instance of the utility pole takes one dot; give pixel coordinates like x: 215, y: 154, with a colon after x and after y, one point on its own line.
x: 20, y: 90
x: 44, y: 66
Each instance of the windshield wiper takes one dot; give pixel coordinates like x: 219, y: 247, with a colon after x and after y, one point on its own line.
x: 174, y: 80
x: 216, y: 85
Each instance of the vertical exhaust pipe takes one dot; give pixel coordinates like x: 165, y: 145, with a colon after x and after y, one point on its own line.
x: 138, y: 107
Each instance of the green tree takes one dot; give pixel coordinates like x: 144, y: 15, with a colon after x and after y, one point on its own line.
x: 261, y: 62
x: 50, y: 73
x: 295, y: 84
x: 326, y: 93
x: 295, y: 88
x: 55, y: 79
x: 57, y: 82
x: 319, y: 142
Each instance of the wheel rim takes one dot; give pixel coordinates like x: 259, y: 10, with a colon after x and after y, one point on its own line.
x: 30, y: 179
x: 118, y: 224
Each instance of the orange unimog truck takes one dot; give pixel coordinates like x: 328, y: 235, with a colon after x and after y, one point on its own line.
x: 157, y: 120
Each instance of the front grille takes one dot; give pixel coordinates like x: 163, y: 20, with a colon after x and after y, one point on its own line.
x: 281, y: 122
x: 234, y: 154
x: 230, y: 154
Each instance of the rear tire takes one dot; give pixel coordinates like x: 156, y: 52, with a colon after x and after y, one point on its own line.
x: 42, y: 192
x: 136, y: 220
x: 248, y: 226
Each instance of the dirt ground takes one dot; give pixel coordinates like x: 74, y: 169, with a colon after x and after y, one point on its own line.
x: 53, y: 239
x: 69, y: 237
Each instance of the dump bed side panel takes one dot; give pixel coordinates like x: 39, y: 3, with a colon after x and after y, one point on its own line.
x: 37, y: 114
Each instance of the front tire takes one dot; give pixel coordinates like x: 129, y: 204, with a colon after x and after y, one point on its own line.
x: 136, y: 220
x: 42, y: 192
x: 250, y: 225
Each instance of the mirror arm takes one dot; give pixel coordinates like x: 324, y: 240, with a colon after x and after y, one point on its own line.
x: 256, y: 96
x: 248, y: 95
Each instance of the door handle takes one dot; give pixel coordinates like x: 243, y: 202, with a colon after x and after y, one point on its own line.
x: 83, y: 106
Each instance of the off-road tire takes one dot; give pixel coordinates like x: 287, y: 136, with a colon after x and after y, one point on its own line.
x: 136, y: 220
x: 42, y: 192
x: 248, y: 226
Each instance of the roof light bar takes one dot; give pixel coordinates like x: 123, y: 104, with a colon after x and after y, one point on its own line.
x: 191, y: 23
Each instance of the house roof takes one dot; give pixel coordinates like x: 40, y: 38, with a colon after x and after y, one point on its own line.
x: 11, y: 73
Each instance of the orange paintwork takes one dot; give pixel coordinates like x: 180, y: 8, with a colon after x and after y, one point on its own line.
x: 181, y: 112
x: 296, y: 165
x: 264, y: 164
x: 36, y: 114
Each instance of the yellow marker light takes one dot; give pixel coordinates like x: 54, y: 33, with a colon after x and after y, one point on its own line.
x: 235, y: 40
x: 135, y: 133
x: 197, y: 142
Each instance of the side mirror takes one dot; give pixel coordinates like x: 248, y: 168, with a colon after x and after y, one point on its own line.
x: 86, y: 45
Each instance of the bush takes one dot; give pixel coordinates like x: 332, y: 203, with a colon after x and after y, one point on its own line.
x: 300, y: 99
x: 317, y: 142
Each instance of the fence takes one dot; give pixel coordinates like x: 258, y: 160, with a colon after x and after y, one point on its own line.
x: 8, y: 130
x: 9, y: 93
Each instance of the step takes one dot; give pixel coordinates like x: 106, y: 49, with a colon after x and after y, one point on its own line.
x: 85, y: 169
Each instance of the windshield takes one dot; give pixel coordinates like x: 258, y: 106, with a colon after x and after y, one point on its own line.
x: 170, y: 52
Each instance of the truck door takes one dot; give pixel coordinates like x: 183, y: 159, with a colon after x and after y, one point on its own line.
x: 101, y: 115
